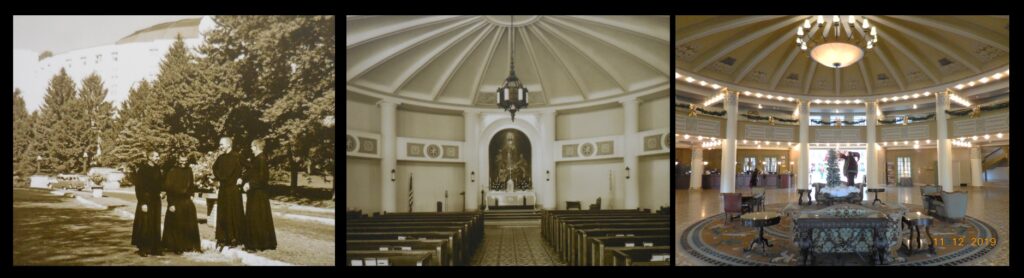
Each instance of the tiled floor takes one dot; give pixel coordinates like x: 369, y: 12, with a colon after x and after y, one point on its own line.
x: 514, y: 244
x: 989, y: 203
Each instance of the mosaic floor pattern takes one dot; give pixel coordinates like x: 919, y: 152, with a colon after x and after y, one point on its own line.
x: 514, y: 245
x: 716, y: 241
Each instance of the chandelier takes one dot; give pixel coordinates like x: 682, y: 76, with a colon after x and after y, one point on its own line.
x: 837, y: 44
x: 512, y: 95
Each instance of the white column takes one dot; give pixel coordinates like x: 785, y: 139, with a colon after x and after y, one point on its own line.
x: 696, y: 165
x: 728, y: 178
x: 802, y: 173
x: 872, y: 161
x: 548, y: 126
x: 388, y: 159
x: 976, y: 171
x: 632, y: 194
x: 942, y: 143
x: 469, y: 154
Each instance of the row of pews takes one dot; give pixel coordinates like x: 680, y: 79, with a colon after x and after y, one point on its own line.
x: 413, y: 239
x: 609, y: 237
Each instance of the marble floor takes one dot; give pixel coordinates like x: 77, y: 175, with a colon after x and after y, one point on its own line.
x: 989, y: 203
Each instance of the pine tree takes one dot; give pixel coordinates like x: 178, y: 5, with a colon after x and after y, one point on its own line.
x: 832, y: 178
x: 100, y: 133
x: 285, y: 83
x: 141, y: 128
x: 24, y: 162
x: 60, y: 127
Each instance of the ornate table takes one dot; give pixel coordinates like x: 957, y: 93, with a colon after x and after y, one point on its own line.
x: 801, y: 192
x: 760, y: 220
x: 876, y: 191
x: 915, y: 221
x: 842, y: 231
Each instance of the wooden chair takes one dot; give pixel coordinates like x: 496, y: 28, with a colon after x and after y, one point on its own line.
x: 596, y: 206
x: 573, y: 204
x: 733, y: 205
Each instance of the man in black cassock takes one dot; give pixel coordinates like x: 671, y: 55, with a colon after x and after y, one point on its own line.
x: 181, y: 229
x: 257, y: 207
x: 148, y: 181
x: 230, y: 217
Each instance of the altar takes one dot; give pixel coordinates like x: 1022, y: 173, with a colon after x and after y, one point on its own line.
x: 511, y: 199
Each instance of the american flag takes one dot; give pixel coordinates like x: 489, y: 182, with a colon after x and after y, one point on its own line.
x: 410, y: 192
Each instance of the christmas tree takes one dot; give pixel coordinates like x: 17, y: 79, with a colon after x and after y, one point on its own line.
x: 833, y: 178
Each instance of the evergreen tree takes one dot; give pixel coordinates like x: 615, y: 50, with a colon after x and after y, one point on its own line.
x: 24, y: 161
x: 832, y: 178
x: 284, y: 67
x: 61, y: 126
x: 100, y: 133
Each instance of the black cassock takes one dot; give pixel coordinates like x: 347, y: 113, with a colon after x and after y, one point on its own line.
x: 181, y: 229
x: 257, y: 207
x: 146, y: 229
x: 230, y: 217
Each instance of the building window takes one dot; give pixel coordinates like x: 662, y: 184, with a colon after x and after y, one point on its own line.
x: 749, y: 163
x: 903, y: 166
x: 771, y: 164
x: 837, y: 118
x: 114, y: 56
x: 98, y: 58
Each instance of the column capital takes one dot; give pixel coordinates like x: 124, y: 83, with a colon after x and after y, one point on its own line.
x: 630, y: 100
x: 388, y: 102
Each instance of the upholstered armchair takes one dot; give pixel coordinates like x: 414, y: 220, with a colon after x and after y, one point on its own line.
x: 733, y: 205
x: 953, y: 206
x: 928, y: 189
x: 758, y: 204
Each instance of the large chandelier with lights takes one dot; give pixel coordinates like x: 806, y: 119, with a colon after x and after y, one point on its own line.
x: 512, y: 95
x: 836, y: 43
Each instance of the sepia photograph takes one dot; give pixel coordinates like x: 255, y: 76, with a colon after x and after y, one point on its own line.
x: 174, y: 141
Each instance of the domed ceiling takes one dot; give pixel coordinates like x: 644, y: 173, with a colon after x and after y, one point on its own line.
x: 462, y: 60
x: 913, y: 52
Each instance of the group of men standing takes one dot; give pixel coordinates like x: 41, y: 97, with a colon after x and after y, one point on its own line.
x: 252, y: 227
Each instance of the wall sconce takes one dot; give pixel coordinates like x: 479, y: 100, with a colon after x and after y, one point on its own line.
x: 627, y: 172
x: 392, y: 175
x: 705, y: 163
x: 472, y: 176
x: 548, y: 175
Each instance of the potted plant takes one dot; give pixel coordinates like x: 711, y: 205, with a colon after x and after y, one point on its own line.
x: 97, y: 184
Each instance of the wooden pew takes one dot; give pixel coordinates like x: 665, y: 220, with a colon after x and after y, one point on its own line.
x: 395, y: 258
x: 435, y: 245
x: 639, y: 256
x: 570, y: 232
x: 578, y: 242
x: 459, y: 244
x: 457, y: 234
x: 449, y: 250
x: 601, y: 246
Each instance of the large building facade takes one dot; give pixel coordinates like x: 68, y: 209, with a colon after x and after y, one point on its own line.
x: 121, y: 64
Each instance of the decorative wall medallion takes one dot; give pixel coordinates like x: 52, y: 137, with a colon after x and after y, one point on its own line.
x: 605, y: 148
x: 367, y: 145
x: 414, y: 150
x: 587, y: 149
x: 451, y: 152
x: 667, y: 141
x: 652, y: 143
x: 433, y: 151
x: 350, y: 143
x: 569, y: 150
